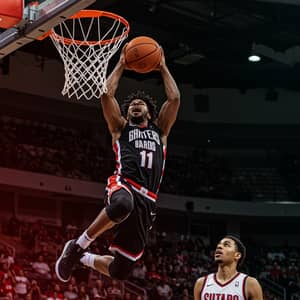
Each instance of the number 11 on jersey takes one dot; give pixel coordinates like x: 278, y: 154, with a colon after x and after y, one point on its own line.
x: 146, y: 159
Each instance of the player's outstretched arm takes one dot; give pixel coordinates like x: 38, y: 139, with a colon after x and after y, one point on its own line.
x: 110, y: 106
x: 169, y: 109
x: 198, y: 287
x: 253, y: 289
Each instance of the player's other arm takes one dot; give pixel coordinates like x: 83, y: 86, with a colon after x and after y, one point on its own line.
x: 253, y: 289
x: 198, y: 287
x: 110, y: 106
x: 169, y: 109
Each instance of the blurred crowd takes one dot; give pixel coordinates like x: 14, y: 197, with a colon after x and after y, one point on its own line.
x: 29, y: 274
x: 46, y: 148
x: 167, y: 271
x: 81, y: 154
x: 170, y: 264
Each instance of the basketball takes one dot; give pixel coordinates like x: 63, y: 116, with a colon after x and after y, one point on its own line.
x: 142, y: 54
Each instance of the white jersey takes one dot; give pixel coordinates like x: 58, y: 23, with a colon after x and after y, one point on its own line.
x: 234, y: 289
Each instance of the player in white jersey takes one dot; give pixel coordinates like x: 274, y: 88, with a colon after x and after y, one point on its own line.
x: 228, y: 283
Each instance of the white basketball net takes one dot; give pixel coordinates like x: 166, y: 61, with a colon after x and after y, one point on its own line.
x: 86, y: 62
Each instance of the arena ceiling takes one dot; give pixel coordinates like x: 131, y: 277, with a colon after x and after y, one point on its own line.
x: 207, y: 42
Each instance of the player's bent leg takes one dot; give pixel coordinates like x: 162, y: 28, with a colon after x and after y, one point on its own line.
x: 74, y: 249
x: 118, y: 267
x: 99, y: 263
x: 99, y: 225
x: 121, y: 267
x: 121, y: 205
x: 118, y: 209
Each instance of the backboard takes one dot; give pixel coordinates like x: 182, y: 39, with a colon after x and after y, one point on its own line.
x: 38, y: 18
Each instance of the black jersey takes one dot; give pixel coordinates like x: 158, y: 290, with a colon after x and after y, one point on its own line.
x: 140, y: 155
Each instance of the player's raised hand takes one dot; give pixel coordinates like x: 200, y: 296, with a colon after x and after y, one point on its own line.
x: 122, y: 59
x: 162, y: 62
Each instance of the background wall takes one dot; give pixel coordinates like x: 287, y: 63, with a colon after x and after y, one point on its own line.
x: 30, y: 74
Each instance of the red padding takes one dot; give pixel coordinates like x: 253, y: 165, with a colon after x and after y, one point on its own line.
x: 11, y: 12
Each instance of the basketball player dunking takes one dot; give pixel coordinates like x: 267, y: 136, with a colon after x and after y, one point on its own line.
x: 228, y: 283
x: 139, y: 138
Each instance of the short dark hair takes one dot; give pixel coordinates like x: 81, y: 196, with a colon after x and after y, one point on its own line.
x: 240, y: 247
x: 151, y: 103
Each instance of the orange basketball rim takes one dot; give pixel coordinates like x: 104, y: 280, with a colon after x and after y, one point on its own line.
x: 94, y: 14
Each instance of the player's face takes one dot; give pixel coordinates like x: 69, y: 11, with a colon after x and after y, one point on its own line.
x: 226, y: 252
x: 138, y: 109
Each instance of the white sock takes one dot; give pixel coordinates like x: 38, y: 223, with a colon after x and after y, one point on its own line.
x: 88, y: 259
x: 84, y: 240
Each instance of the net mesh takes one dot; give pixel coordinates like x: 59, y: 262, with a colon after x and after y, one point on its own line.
x: 86, y: 45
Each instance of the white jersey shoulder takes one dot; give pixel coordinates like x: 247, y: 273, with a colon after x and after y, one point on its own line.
x: 234, y: 289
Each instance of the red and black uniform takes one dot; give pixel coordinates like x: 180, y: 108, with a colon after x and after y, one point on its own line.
x: 140, y: 160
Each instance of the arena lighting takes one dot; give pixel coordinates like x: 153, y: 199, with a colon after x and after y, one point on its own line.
x: 254, y: 58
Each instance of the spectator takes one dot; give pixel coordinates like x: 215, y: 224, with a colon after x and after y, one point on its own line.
x: 185, y: 294
x: 7, y: 258
x: 164, y: 291
x: 153, y: 274
x: 99, y: 291
x: 275, y: 272
x: 55, y: 293
x: 128, y: 296
x: 21, y: 286
x: 83, y: 295
x: 139, y: 273
x: 73, y: 281
x: 35, y: 291
x: 114, y: 291
x: 41, y: 268
x: 71, y: 293
x: 7, y: 281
